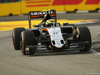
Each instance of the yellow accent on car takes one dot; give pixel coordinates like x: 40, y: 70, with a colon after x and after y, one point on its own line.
x: 50, y: 21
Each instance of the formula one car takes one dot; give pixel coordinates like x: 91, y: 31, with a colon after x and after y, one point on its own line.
x: 51, y: 35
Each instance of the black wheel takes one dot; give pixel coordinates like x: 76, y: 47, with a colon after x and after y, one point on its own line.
x: 85, y: 36
x: 16, y: 36
x: 28, y: 39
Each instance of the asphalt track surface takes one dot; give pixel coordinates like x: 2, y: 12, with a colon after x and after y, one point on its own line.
x: 12, y: 62
x: 59, y: 16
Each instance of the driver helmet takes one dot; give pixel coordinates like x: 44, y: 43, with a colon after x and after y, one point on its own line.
x: 50, y: 22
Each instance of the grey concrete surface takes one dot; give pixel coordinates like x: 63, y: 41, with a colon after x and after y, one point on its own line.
x: 59, y: 16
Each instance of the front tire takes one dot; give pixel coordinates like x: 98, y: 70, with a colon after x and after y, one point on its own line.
x: 28, y: 39
x: 85, y: 35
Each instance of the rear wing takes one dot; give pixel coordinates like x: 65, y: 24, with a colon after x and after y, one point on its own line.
x: 41, y: 14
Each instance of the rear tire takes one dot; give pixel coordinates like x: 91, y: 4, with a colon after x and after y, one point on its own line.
x: 85, y: 35
x: 28, y: 39
x: 16, y: 36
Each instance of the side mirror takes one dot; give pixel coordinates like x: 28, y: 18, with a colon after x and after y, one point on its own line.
x: 64, y: 24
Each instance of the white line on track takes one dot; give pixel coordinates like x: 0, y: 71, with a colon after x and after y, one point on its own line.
x: 93, y: 51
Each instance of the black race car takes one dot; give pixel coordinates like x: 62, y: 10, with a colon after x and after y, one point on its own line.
x: 51, y: 35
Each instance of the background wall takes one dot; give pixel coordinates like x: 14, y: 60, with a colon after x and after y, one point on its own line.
x: 24, y: 6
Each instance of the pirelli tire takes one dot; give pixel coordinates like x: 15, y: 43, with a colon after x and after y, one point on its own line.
x: 28, y: 39
x: 85, y: 36
x: 16, y: 37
